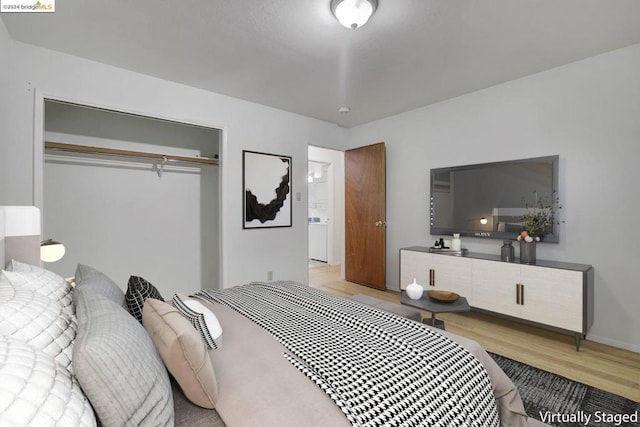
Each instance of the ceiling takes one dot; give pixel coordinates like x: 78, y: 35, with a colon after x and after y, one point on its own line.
x: 294, y: 55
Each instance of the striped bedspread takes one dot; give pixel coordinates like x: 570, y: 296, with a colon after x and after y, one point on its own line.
x: 379, y: 368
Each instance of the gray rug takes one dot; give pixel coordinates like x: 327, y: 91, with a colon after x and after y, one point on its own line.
x: 559, y: 401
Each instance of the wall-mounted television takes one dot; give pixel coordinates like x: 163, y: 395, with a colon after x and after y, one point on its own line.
x: 488, y: 200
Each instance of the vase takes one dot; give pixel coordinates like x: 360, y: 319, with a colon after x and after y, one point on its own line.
x: 507, y: 251
x: 527, y: 252
x: 414, y: 290
x: 456, y: 244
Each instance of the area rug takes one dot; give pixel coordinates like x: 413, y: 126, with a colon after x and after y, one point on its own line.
x: 561, y: 402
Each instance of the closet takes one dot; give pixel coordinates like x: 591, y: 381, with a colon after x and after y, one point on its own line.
x: 132, y: 195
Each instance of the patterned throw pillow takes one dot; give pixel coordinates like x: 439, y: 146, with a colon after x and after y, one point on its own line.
x: 202, y: 319
x: 36, y: 390
x: 41, y: 322
x: 42, y: 281
x: 139, y: 290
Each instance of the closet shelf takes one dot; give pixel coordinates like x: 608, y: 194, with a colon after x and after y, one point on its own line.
x: 59, y: 146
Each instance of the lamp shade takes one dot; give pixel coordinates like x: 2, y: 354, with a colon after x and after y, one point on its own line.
x: 51, y: 251
x: 353, y: 13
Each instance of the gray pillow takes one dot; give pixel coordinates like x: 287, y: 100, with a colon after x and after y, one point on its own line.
x: 97, y: 283
x: 118, y: 366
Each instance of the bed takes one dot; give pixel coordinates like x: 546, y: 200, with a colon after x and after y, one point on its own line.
x: 284, y: 354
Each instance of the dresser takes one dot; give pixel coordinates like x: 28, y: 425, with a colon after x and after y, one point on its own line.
x: 549, y: 293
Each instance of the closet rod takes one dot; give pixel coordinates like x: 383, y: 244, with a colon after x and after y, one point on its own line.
x: 116, y: 152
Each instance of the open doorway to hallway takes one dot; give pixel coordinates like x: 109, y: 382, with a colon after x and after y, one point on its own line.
x: 326, y: 207
x: 318, y: 211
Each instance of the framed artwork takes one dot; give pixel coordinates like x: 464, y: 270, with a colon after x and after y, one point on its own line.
x: 266, y: 183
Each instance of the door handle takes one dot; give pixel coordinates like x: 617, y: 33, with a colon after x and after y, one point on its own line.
x: 432, y: 277
x: 380, y: 223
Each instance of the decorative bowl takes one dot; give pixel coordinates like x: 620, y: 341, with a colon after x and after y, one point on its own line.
x: 443, y: 296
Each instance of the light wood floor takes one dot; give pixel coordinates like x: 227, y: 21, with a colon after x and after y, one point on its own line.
x: 608, y: 368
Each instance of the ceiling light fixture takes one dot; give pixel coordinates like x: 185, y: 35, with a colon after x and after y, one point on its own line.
x: 353, y: 13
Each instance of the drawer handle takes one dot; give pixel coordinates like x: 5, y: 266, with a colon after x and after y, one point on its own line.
x: 432, y: 277
x: 519, y: 294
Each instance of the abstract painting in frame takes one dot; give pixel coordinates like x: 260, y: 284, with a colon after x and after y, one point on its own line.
x: 266, y: 181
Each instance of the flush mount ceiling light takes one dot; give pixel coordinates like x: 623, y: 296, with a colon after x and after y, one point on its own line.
x: 353, y: 13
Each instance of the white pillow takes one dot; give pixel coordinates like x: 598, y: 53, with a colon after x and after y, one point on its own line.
x: 212, y: 321
x: 205, y: 322
x: 37, y: 391
x: 38, y: 321
x: 42, y: 281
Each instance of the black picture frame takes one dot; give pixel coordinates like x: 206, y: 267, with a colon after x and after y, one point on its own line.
x: 266, y: 188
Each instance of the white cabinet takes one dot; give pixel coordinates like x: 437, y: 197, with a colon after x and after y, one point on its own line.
x: 433, y: 271
x: 413, y: 265
x: 555, y: 294
x: 549, y: 296
x: 318, y: 241
x: 494, y: 287
x: 553, y: 297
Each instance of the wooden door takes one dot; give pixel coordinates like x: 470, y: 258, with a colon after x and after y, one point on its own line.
x: 365, y: 215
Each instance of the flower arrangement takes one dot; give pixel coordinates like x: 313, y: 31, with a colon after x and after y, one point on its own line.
x: 539, y: 218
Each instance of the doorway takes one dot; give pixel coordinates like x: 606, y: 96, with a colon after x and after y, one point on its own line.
x: 326, y: 202
x: 318, y: 183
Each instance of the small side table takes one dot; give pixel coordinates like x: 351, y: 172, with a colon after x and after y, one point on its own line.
x: 434, y: 307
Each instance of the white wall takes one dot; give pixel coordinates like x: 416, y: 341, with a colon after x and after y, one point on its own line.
x: 124, y: 220
x: 588, y: 112
x: 6, y: 115
x: 246, y: 254
x: 5, y: 45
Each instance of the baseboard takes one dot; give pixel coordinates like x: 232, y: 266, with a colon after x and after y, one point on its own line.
x: 614, y: 343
